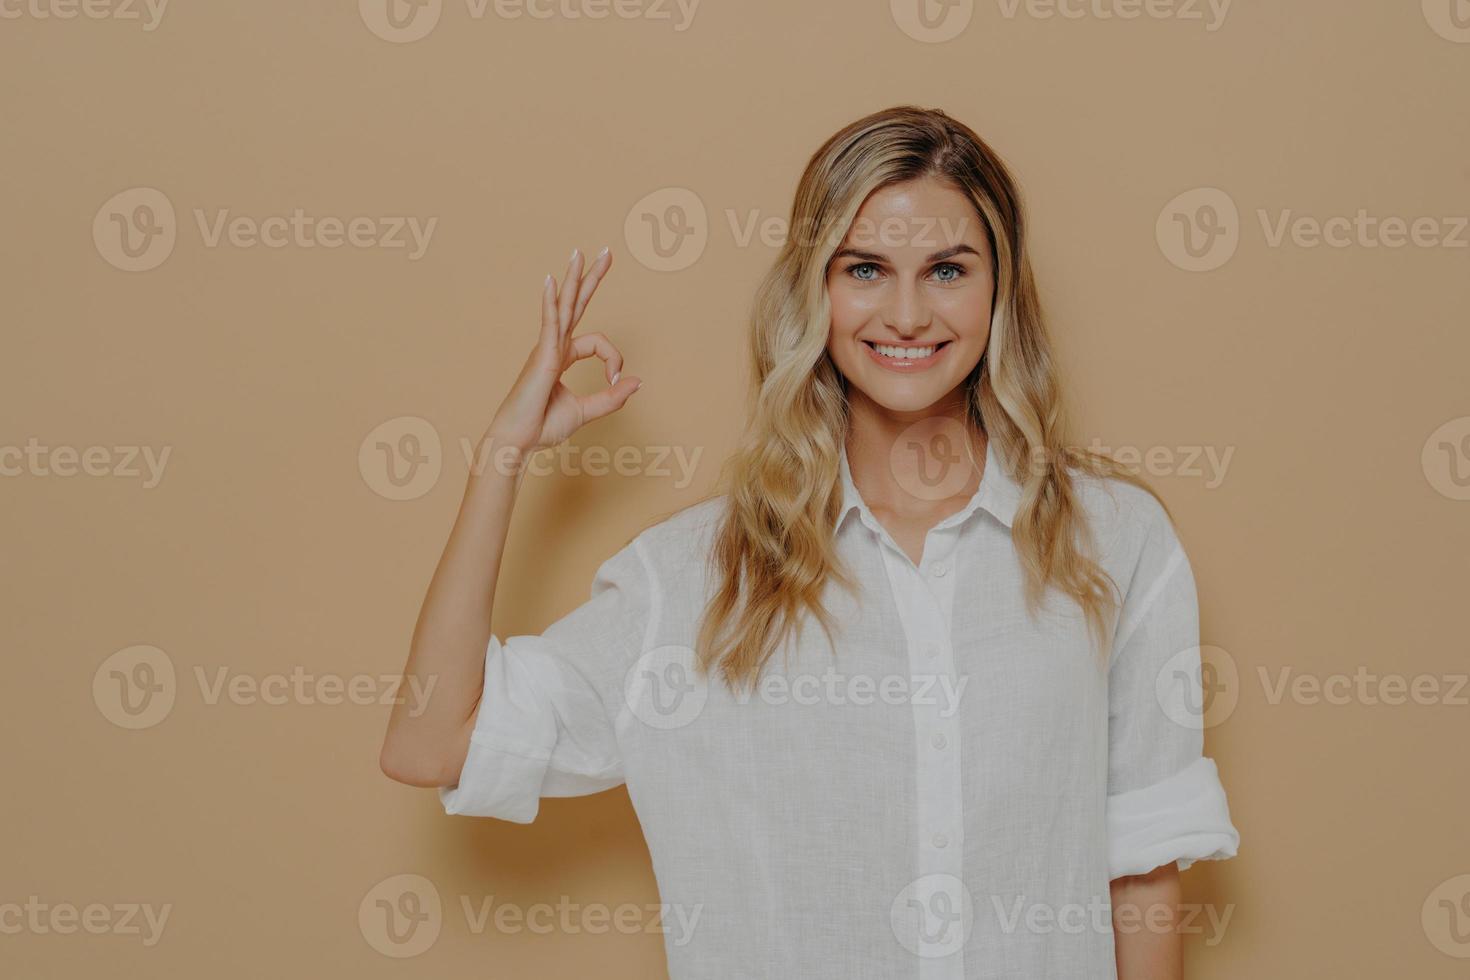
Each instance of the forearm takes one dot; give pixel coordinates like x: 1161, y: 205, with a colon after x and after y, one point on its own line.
x: 1146, y: 940
x: 426, y: 742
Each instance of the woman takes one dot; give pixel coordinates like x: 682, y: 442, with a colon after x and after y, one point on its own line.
x: 989, y: 749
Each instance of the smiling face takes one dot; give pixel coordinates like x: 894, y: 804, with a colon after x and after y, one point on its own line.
x: 911, y: 291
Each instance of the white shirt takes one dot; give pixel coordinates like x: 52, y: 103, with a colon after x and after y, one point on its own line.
x: 946, y: 798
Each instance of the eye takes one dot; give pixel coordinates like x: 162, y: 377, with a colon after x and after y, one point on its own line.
x: 942, y: 270
x: 863, y: 271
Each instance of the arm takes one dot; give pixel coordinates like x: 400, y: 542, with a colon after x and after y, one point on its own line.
x: 1146, y: 942
x: 454, y: 624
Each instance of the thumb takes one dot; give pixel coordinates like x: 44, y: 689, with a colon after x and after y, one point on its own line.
x: 610, y: 399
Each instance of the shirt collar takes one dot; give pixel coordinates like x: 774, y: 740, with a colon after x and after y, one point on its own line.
x: 998, y: 493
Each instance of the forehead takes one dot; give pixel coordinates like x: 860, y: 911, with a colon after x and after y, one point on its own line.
x: 923, y: 214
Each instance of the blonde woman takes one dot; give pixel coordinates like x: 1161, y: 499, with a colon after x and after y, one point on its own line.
x: 916, y: 693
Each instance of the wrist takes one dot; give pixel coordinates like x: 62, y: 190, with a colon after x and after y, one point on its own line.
x: 500, y: 455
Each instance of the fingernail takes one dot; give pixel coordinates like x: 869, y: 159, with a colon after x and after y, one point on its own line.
x: 616, y: 375
x: 574, y: 255
x: 603, y: 252
x: 547, y: 283
x: 639, y: 385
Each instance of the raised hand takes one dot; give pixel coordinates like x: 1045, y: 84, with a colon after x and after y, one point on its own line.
x: 540, y: 411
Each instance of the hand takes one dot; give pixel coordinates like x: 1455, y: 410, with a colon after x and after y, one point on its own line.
x: 540, y: 411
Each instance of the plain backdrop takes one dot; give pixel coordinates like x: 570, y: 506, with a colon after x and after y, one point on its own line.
x: 1304, y: 398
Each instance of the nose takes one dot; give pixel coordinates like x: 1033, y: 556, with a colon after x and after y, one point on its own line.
x: 907, y: 313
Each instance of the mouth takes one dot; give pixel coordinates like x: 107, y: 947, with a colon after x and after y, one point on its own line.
x: 906, y: 358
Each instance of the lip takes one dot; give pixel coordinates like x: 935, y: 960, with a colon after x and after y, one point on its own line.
x: 907, y: 366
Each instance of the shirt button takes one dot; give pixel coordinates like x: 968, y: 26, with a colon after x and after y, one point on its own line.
x: 940, y: 570
x: 941, y: 841
x: 939, y: 741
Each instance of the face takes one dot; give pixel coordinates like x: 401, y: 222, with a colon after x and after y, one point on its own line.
x: 911, y: 293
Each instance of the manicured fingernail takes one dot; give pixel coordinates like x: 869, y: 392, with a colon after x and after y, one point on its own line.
x: 603, y: 252
x: 640, y: 385
x: 616, y: 375
x: 574, y: 255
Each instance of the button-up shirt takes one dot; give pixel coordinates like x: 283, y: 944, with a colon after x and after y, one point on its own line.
x: 943, y: 793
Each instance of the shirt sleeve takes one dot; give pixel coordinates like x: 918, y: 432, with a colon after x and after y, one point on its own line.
x: 544, y: 724
x: 1165, y: 801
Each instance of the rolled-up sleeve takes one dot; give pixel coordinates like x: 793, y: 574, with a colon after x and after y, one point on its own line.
x: 1165, y: 800
x: 544, y: 724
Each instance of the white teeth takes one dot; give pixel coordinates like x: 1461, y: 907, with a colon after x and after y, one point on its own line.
x: 905, y: 353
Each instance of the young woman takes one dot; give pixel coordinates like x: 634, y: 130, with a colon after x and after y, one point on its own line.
x: 987, y: 751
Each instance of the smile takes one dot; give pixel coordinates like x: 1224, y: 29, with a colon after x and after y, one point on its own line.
x: 905, y: 358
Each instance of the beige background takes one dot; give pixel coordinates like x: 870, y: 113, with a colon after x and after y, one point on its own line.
x: 1333, y: 545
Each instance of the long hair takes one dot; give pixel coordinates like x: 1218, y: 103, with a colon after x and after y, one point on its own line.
x: 773, y: 550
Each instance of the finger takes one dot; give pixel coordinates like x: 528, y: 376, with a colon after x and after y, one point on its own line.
x: 548, y: 309
x: 608, y: 400
x: 589, y: 344
x: 548, y: 345
x: 600, y: 265
x: 568, y: 294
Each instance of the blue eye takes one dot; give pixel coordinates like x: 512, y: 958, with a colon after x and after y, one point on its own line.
x: 853, y: 271
x: 958, y: 271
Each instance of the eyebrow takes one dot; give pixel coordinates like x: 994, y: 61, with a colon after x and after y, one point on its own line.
x: 939, y: 256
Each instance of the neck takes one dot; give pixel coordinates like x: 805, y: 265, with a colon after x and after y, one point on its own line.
x: 914, y: 462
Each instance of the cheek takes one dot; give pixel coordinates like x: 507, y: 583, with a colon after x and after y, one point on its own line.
x: 845, y: 317
x: 851, y: 308
x: 967, y: 311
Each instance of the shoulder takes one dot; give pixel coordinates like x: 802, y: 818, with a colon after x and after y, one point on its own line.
x: 1125, y: 518
x: 677, y: 544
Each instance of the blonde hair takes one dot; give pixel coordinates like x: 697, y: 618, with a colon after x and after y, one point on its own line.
x: 774, y: 549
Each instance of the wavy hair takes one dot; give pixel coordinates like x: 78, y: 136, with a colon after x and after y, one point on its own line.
x: 774, y: 549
